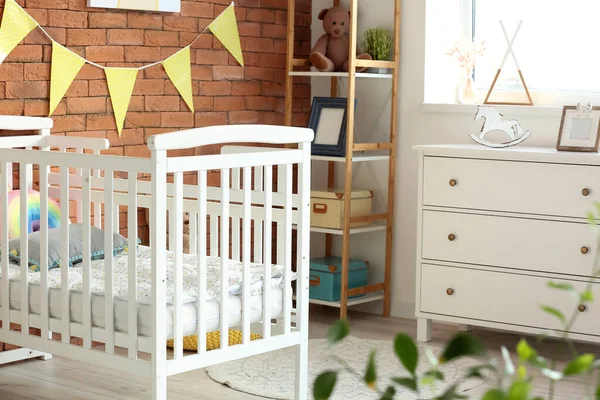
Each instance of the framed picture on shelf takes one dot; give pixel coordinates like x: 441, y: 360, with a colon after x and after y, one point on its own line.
x: 579, y: 129
x: 328, y: 121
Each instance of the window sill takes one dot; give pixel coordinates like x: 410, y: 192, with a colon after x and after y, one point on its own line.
x: 542, y: 111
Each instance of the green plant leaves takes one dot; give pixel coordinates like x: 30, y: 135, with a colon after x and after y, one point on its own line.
x: 581, y: 364
x: 410, y: 383
x: 586, y: 296
x: 554, y: 312
x: 525, y: 351
x: 407, y: 352
x: 462, y: 345
x: 371, y: 372
x: 324, y: 385
x: 494, y: 394
x: 338, y: 331
x: 598, y: 393
x: 389, y: 393
x: 519, y: 390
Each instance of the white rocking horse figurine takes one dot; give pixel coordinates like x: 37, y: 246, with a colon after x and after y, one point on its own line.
x: 493, y: 122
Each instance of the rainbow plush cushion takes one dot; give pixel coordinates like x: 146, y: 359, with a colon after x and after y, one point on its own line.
x: 33, y: 213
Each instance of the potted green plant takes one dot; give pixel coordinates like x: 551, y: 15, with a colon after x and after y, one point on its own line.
x: 378, y: 43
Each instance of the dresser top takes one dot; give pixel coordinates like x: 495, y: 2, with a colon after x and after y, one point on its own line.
x: 515, y: 153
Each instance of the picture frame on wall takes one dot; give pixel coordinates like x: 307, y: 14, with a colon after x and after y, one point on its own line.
x: 328, y: 121
x: 143, y: 5
x: 579, y: 129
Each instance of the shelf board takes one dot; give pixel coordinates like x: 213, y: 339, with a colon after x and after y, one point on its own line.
x: 368, y: 298
x: 341, y: 74
x: 374, y: 227
x: 357, y: 157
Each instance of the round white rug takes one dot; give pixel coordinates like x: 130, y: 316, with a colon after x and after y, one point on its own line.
x: 272, y: 375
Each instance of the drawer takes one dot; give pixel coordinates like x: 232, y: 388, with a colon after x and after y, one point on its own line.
x: 501, y: 298
x: 510, y: 186
x: 528, y: 244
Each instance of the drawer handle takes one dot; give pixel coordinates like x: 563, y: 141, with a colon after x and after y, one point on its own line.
x: 449, y: 291
x: 319, y: 208
x: 585, y: 192
x: 451, y: 237
x: 315, y: 280
x: 453, y: 182
x: 582, y: 308
x: 585, y: 250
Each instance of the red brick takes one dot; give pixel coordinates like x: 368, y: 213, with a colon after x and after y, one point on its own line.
x: 177, y: 23
x: 201, y: 73
x: 144, y: 21
x: 245, y: 88
x: 105, y: 53
x: 100, y: 122
x: 203, y: 103
x: 260, y: 103
x: 161, y: 38
x: 98, y: 88
x: 259, y: 73
x: 86, y: 37
x: 260, y: 15
x: 128, y: 137
x: 26, y: 90
x: 142, y: 119
x: 78, y: 89
x: 243, y: 117
x: 258, y: 45
x: 211, y: 118
x: 67, y: 19
x: 162, y: 103
x: 40, y: 108
x: 272, y: 60
x: 212, y: 57
x: 249, y: 29
x: 196, y: 9
x: 108, y: 20
x: 215, y: 88
x: 11, y: 72
x: 148, y: 86
x: 222, y: 72
x: 130, y: 37
x: 232, y: 103
x: 40, y: 15
x: 85, y: 105
x: 25, y: 53
x: 177, y: 120
x: 272, y: 89
x: 91, y: 72
x: 144, y: 54
x: 37, y: 72
x: 37, y: 36
x: 12, y: 107
x: 137, y: 151
x: 67, y: 123
x: 203, y: 42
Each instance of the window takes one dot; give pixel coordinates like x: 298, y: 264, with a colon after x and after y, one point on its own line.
x: 558, y: 48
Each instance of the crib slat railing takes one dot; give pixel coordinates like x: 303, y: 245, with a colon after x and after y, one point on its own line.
x: 235, y: 222
x: 176, y: 240
x: 109, y: 319
x: 5, y: 173
x: 44, y: 305
x: 97, y: 205
x: 214, y: 235
x: 224, y: 326
x: 286, y: 238
x: 132, y: 223
x: 267, y: 254
x: 246, y: 317
x: 25, y: 179
x: 202, y: 232
x: 64, y: 253
x: 193, y: 233
x: 87, y: 260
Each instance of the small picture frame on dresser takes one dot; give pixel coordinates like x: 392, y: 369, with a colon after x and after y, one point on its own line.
x: 579, y: 129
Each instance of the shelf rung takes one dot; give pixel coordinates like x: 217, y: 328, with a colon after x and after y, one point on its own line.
x: 372, y: 146
x: 369, y: 218
x: 375, y: 64
x: 366, y: 289
x: 302, y: 62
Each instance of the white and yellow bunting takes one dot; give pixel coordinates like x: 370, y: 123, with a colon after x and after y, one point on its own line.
x: 65, y: 67
x: 16, y: 24
x: 226, y: 30
x: 120, y: 86
x: 179, y: 70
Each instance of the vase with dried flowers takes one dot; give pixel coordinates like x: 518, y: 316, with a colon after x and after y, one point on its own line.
x: 466, y: 54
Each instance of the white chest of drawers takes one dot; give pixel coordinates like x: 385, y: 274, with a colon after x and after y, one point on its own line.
x: 494, y: 227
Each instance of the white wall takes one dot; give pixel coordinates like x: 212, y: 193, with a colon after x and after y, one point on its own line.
x: 416, y: 127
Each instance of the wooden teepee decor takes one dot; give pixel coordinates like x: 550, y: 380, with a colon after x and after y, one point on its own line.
x: 510, y: 51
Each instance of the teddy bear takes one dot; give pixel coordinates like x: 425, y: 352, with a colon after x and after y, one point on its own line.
x: 331, y: 53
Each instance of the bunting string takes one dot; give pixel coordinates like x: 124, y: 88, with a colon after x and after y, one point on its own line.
x: 17, y: 24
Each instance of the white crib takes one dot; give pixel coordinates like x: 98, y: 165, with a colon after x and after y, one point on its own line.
x: 241, y: 213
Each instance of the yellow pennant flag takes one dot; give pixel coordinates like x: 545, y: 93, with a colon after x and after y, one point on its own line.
x: 16, y: 24
x: 65, y: 67
x: 179, y: 70
x: 226, y: 30
x: 120, y: 86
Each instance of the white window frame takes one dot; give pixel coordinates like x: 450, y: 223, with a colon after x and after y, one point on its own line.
x: 541, y: 98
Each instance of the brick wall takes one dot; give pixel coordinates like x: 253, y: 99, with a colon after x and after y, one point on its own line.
x: 224, y: 93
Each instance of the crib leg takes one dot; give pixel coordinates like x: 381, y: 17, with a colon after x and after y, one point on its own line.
x: 302, y: 370
x: 159, y: 387
x: 46, y: 357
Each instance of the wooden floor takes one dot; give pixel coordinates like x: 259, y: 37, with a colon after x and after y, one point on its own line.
x: 60, y: 379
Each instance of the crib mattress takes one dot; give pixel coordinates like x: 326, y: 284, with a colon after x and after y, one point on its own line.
x: 144, y: 323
